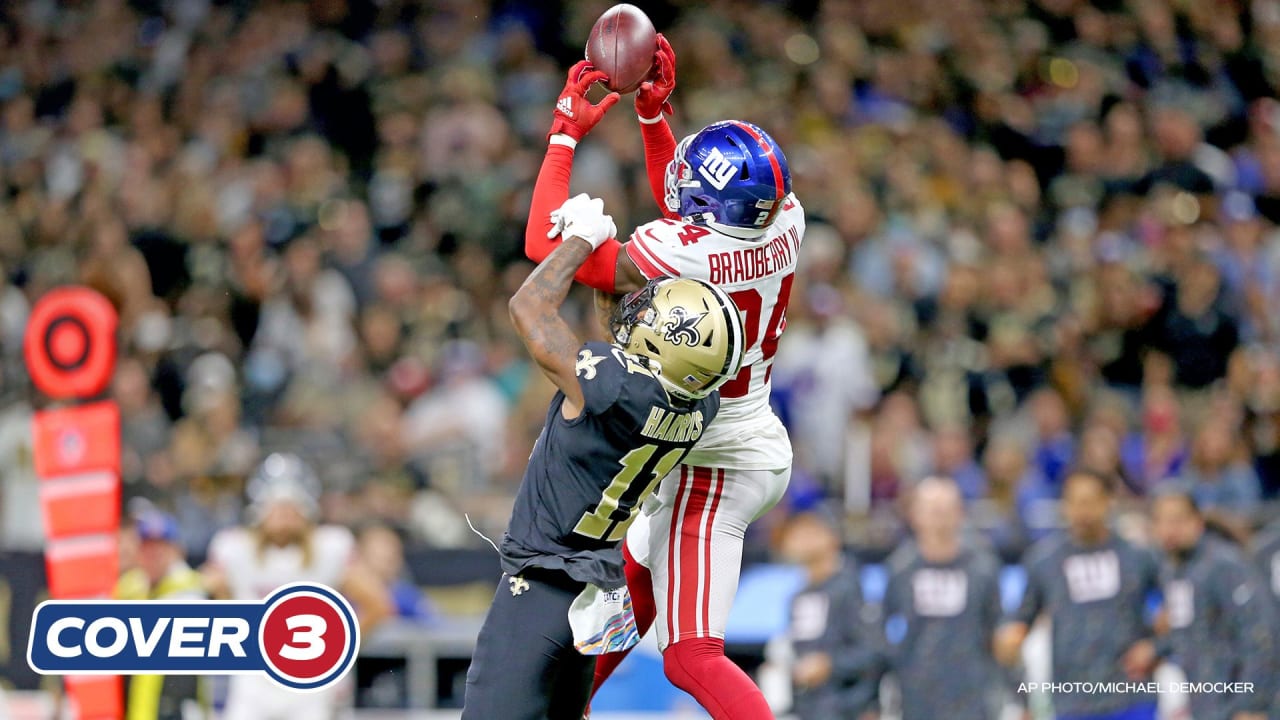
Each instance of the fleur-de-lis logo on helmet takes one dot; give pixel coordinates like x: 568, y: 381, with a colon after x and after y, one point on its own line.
x: 681, y: 327
x: 688, y: 332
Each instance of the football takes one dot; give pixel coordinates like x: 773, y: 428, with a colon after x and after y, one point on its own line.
x: 622, y: 44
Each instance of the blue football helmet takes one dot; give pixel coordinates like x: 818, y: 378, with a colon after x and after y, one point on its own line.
x: 730, y: 176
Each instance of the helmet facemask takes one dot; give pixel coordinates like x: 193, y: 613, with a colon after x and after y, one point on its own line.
x: 634, y: 308
x: 678, y: 172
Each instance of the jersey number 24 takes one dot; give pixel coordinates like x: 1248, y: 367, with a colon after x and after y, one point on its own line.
x: 751, y: 305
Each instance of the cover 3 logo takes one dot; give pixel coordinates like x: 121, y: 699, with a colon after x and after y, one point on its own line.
x: 304, y: 637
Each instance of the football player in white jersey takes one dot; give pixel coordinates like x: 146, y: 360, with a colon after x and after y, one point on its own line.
x: 729, y: 218
x: 283, y: 544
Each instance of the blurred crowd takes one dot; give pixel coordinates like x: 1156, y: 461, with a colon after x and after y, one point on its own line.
x: 1042, y: 234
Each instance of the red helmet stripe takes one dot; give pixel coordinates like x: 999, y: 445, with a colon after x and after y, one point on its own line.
x: 768, y: 151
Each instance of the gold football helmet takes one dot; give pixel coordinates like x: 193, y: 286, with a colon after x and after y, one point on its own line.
x: 689, y: 331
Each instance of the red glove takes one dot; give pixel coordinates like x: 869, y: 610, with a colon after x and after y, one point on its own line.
x: 575, y: 115
x: 652, y: 98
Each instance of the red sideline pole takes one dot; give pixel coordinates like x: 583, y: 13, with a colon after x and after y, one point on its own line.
x: 70, y: 351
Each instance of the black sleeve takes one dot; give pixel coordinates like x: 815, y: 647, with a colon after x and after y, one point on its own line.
x: 1150, y: 584
x: 1033, y: 596
x: 601, y: 376
x: 1242, y: 604
x: 892, y: 614
x: 991, y: 601
x: 857, y: 652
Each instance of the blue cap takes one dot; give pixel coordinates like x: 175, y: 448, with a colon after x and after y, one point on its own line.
x: 156, y: 525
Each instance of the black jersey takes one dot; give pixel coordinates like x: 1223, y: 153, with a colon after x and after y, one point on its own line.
x: 587, y: 476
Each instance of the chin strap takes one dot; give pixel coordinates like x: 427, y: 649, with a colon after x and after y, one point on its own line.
x: 734, y: 232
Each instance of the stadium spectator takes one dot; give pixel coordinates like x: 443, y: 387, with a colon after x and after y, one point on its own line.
x: 898, y: 447
x: 380, y: 550
x: 1020, y: 501
x: 144, y: 428
x: 953, y: 458
x: 1093, y: 586
x: 824, y: 374
x: 1220, y: 478
x: 941, y: 609
x: 1221, y: 620
x: 832, y: 631
x: 1257, y: 387
x: 464, y: 409
x: 1100, y: 450
x: 1158, y: 451
x: 1055, y: 446
x: 1195, y: 331
x: 1116, y: 316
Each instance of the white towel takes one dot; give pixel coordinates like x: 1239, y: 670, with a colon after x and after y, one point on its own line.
x: 603, y: 621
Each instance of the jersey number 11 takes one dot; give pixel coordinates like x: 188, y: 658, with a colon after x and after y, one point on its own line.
x: 640, y: 473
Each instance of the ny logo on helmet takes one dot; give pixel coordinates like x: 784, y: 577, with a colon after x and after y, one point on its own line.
x: 682, y: 328
x: 717, y: 169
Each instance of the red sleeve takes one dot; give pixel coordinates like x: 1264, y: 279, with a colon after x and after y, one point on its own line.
x: 659, y: 149
x: 549, y: 192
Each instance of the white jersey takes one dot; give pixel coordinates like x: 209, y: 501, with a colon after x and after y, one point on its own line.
x: 757, y: 273
x: 253, y: 572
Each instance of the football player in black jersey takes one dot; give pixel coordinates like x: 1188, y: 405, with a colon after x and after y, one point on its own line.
x: 625, y: 414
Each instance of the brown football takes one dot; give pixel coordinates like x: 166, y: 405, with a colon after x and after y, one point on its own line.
x: 622, y: 44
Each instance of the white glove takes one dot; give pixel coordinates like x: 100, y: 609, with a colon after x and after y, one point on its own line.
x: 583, y: 217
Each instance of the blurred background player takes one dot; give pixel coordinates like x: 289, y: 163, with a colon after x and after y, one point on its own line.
x: 729, y: 218
x: 625, y: 414
x: 320, y: 195
x: 1266, y: 553
x: 833, y: 635
x: 941, y: 609
x: 1221, y: 620
x: 1093, y: 585
x: 162, y: 573
x: 283, y: 544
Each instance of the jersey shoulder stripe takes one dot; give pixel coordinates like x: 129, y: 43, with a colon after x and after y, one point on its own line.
x: 675, y: 248
x: 646, y: 260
